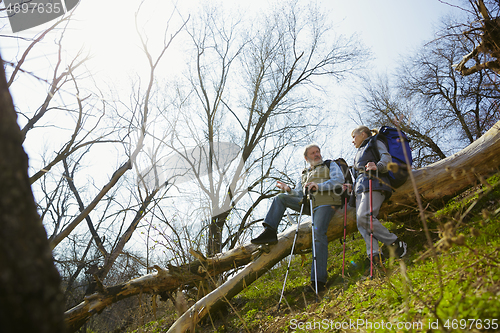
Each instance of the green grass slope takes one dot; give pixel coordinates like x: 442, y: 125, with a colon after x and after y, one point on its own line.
x: 454, y: 288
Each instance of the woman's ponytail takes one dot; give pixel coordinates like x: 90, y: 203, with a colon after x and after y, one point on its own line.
x: 364, y: 129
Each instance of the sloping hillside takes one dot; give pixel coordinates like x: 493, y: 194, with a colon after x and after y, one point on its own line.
x: 457, y: 288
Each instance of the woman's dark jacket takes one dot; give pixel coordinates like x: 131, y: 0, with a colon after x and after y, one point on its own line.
x: 380, y: 177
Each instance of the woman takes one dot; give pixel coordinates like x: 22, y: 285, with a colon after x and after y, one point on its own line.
x: 366, y: 166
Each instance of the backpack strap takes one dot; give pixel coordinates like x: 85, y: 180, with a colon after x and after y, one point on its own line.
x: 345, y: 170
x: 372, y: 144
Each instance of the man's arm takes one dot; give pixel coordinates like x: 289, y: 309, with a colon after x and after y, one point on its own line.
x: 285, y: 187
x: 298, y: 191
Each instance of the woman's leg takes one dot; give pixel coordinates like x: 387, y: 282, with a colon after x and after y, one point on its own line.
x: 380, y: 233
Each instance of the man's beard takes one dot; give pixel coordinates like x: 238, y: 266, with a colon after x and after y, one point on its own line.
x: 315, y: 163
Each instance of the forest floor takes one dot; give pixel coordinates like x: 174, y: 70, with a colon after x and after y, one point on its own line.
x: 455, y: 288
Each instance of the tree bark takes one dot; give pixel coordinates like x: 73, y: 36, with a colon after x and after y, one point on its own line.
x: 435, y: 183
x: 30, y: 295
x: 215, y: 233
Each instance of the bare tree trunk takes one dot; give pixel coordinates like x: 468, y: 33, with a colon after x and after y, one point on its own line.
x: 215, y: 233
x: 435, y: 183
x: 30, y: 296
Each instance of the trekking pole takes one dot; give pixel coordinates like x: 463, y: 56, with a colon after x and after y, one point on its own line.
x: 345, y: 219
x: 291, y: 254
x: 314, y: 248
x: 371, y: 224
x: 345, y: 232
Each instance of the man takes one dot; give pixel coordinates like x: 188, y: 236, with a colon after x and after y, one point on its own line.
x: 325, y: 183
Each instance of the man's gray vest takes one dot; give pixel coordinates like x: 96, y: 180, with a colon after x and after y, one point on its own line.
x: 320, y: 174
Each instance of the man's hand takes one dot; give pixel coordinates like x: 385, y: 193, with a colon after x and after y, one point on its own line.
x: 282, y: 186
x: 347, y: 187
x: 312, y: 187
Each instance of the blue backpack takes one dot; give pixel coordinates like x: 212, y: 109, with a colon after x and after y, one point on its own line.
x: 392, y: 140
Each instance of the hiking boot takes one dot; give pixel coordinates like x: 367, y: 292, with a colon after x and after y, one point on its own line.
x: 312, y: 287
x: 378, y: 259
x: 378, y: 262
x: 268, y: 236
x: 399, y: 248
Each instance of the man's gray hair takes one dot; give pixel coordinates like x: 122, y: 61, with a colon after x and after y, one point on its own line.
x: 306, y: 148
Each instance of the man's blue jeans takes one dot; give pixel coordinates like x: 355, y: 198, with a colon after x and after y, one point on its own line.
x: 321, y: 219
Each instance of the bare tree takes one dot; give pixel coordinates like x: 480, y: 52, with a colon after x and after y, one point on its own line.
x: 482, y: 30
x: 458, y: 103
x: 381, y: 103
x: 441, y: 110
x: 253, y: 86
x: 78, y: 119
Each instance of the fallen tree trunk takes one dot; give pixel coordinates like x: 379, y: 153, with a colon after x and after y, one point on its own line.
x: 202, y: 268
x: 258, y: 267
x: 434, y: 182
